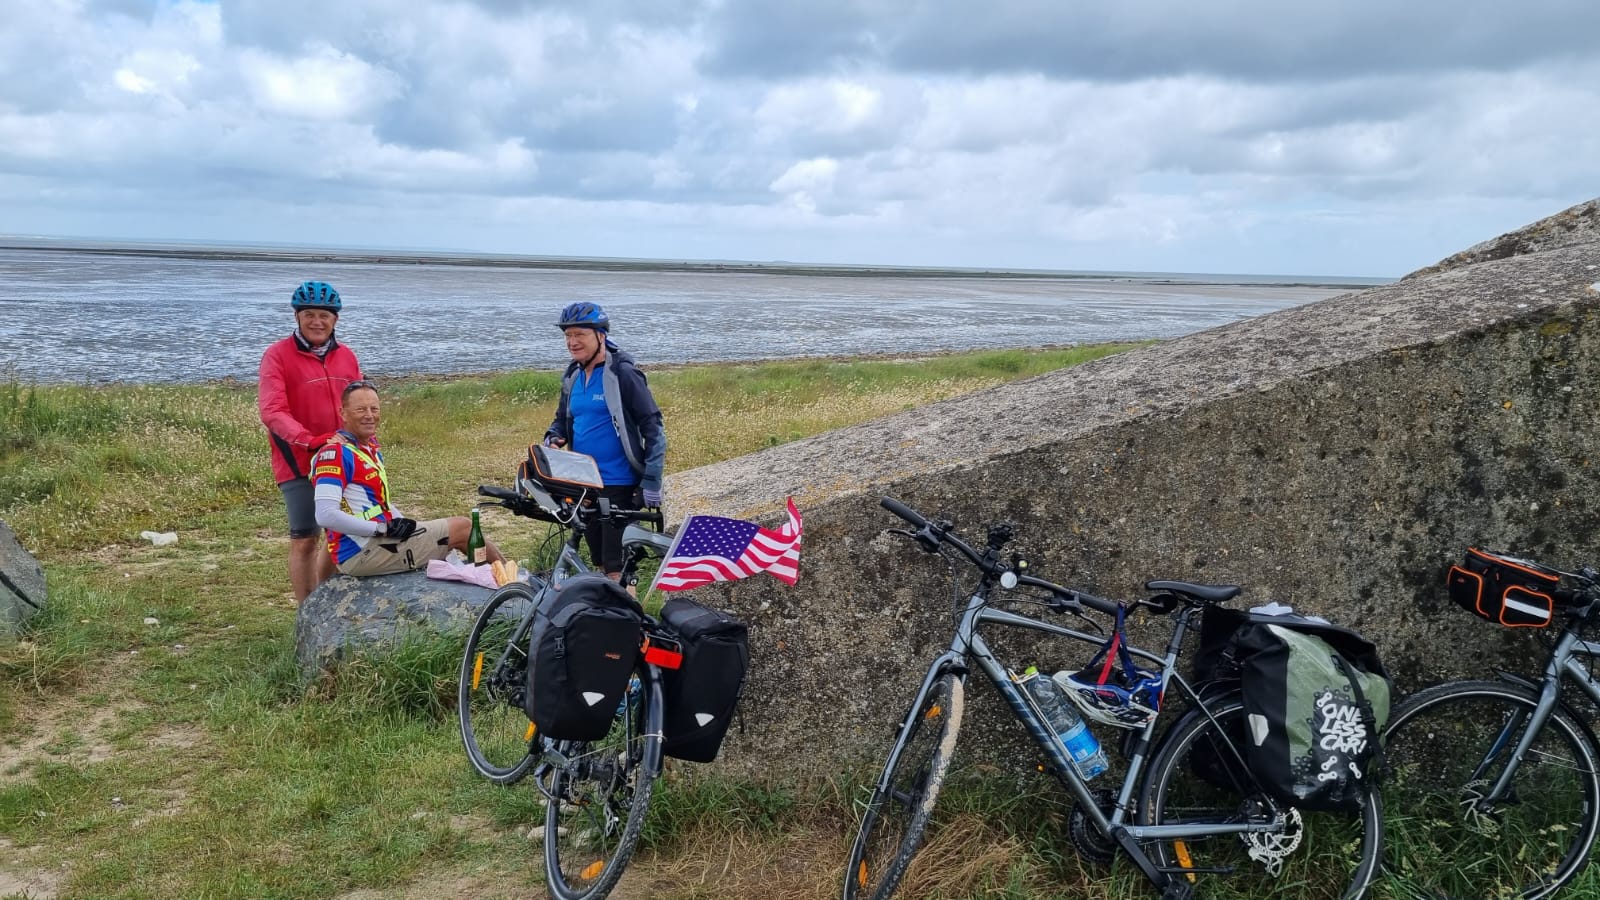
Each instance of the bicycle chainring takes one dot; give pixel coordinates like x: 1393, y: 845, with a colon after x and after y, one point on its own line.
x: 1088, y: 840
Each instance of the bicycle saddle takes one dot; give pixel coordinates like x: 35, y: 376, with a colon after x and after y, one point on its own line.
x: 1206, y: 593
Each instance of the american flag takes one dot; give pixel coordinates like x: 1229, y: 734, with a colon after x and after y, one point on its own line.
x: 712, y: 548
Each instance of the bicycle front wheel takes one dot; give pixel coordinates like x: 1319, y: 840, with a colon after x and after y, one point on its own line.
x: 1197, y: 779
x: 596, y: 798
x: 1447, y: 747
x: 895, y: 816
x: 489, y: 694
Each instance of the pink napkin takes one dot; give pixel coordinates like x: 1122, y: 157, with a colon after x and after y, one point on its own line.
x: 449, y: 570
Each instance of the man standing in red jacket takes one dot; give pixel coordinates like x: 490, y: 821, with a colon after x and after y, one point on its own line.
x: 302, y: 380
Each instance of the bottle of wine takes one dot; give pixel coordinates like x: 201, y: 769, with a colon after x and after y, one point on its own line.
x: 477, y: 553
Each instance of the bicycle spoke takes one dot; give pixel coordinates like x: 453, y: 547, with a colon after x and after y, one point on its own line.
x: 494, y: 729
x: 1447, y: 747
x: 894, y: 816
x: 1195, y: 780
x: 597, y: 798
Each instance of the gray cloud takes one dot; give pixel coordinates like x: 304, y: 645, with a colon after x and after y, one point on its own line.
x: 1245, y: 39
x: 1042, y: 134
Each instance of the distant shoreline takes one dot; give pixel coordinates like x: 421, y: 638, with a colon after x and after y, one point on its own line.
x: 902, y: 357
x: 607, y: 264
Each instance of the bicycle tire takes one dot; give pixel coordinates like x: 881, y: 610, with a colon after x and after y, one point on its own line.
x: 1195, y: 777
x: 595, y: 803
x: 1531, y: 844
x: 489, y: 690
x: 894, y: 819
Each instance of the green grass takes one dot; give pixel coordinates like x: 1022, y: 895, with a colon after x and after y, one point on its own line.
x: 156, y: 741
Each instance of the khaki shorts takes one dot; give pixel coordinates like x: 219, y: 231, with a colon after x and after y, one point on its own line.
x: 382, y: 556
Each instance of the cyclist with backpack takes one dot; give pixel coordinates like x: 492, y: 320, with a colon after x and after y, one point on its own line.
x: 606, y: 411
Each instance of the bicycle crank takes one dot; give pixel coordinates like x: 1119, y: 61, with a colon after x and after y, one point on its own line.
x: 1088, y: 840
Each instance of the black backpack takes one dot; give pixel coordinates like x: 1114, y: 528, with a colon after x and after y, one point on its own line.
x: 1315, y: 699
x: 701, y: 694
x: 584, y: 648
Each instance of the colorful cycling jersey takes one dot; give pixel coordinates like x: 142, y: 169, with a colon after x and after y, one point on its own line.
x: 356, y: 473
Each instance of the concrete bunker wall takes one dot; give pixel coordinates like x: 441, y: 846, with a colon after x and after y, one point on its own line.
x: 1336, y: 456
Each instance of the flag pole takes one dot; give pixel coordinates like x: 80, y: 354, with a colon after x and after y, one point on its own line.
x: 683, y: 528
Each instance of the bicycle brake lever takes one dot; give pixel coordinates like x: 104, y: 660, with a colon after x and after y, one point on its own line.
x: 1076, y: 609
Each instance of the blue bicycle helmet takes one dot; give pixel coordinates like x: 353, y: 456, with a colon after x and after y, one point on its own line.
x: 584, y: 314
x: 316, y: 295
x: 1129, y: 698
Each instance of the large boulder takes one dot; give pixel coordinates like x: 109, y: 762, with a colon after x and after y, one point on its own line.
x: 1336, y: 456
x: 344, y: 613
x: 22, y: 587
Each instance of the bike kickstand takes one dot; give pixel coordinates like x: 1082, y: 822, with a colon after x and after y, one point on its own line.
x: 1178, y: 889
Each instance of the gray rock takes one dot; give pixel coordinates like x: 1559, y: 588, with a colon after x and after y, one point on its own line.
x: 1336, y: 456
x: 22, y: 586
x: 345, y: 612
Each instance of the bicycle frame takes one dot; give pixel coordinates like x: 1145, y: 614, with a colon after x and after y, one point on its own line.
x: 968, y: 646
x: 570, y: 563
x: 1564, y: 665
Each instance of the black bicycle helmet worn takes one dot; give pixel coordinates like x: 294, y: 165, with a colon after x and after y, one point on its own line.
x: 315, y: 295
x: 584, y: 314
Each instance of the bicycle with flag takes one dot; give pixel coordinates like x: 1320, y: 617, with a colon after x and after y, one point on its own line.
x: 566, y: 676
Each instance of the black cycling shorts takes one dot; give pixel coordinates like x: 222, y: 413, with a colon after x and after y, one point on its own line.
x: 299, y: 497
x: 605, y: 539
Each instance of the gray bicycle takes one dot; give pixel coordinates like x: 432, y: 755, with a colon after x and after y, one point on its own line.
x: 596, y: 792
x: 1493, y: 788
x: 1197, y: 812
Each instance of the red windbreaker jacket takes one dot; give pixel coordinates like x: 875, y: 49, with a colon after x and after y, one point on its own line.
x: 299, y: 400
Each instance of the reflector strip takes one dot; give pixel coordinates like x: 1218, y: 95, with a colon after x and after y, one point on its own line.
x: 477, y: 670
x: 593, y: 870
x: 1183, y: 859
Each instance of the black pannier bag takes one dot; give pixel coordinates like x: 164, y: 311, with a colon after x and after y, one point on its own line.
x: 1505, y: 590
x: 1315, y: 696
x: 701, y: 694
x: 584, y: 647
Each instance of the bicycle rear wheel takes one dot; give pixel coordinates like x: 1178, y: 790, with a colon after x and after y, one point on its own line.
x: 897, y: 813
x: 1447, y: 746
x: 595, y: 801
x: 1196, y: 778
x: 489, y: 694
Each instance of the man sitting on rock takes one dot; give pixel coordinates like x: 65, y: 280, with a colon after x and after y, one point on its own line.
x: 366, y: 534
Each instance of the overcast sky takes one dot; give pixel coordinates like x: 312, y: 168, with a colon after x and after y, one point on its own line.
x: 1356, y: 137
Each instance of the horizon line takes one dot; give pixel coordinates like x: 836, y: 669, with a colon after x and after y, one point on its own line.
x: 291, y: 252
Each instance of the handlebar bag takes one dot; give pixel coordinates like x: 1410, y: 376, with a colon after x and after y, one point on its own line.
x: 1315, y: 696
x: 1505, y: 590
x: 702, y: 693
x: 565, y: 474
x: 583, y: 649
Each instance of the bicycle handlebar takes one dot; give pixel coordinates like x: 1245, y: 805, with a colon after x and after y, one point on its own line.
x: 903, y: 511
x: 1099, y: 604
x: 931, y: 534
x: 602, y: 508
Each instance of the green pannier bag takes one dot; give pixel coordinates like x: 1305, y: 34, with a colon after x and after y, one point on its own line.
x: 1316, y: 697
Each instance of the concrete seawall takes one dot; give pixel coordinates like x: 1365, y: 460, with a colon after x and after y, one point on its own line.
x: 1336, y: 456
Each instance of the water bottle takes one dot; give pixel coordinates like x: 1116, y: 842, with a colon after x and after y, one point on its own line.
x: 1063, y: 718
